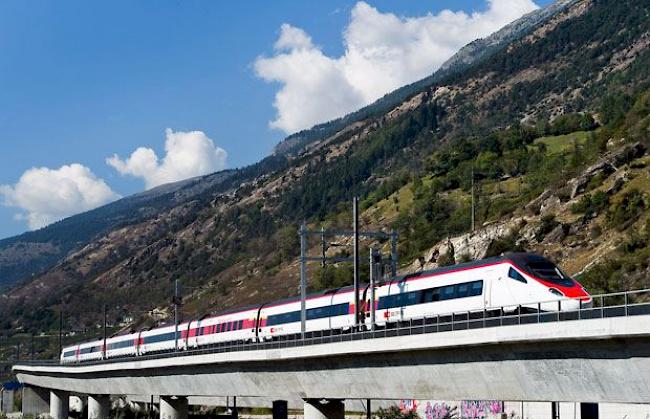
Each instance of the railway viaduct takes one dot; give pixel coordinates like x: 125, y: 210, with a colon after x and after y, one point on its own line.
x: 594, y: 360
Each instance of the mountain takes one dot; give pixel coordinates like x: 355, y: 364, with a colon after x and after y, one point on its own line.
x: 465, y: 57
x: 30, y: 254
x: 552, y: 127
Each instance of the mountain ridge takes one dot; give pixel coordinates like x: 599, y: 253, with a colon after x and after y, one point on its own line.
x: 538, y: 123
x: 31, y: 253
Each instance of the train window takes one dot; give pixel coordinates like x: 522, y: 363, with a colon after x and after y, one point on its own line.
x: 448, y: 292
x: 312, y: 314
x: 549, y: 272
x: 429, y: 295
x: 462, y: 290
x: 159, y: 338
x: 477, y: 288
x: 512, y: 273
x: 241, y: 325
x: 120, y: 345
x: 318, y: 313
x: 411, y: 298
x: 339, y: 309
x: 67, y: 354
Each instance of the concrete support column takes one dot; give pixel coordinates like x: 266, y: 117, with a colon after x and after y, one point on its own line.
x: 99, y: 406
x: 330, y: 409
x: 59, y: 404
x: 36, y: 401
x: 7, y: 401
x: 173, y: 407
x: 280, y: 409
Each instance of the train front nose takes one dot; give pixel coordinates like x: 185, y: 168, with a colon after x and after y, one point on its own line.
x: 577, y: 296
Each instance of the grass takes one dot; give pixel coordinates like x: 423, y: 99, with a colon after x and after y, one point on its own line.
x: 560, y: 144
x: 388, y: 209
x: 511, y: 186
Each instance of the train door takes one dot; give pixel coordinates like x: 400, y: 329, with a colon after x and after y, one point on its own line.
x: 500, y: 287
x: 330, y: 318
x: 187, y: 335
x: 258, y: 324
x: 364, y: 314
x: 138, y: 342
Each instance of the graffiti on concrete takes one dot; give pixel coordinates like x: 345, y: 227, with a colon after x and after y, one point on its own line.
x: 466, y: 409
x: 479, y: 409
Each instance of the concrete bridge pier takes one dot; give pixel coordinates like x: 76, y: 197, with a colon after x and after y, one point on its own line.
x: 36, y: 401
x: 324, y: 409
x: 173, y: 407
x: 59, y: 404
x: 6, y: 401
x: 99, y: 406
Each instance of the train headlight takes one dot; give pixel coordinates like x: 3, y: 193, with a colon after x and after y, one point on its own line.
x: 556, y: 292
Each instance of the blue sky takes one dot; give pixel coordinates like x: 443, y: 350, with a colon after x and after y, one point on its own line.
x: 81, y: 81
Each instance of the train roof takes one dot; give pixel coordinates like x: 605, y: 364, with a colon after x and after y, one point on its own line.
x: 312, y: 295
x: 516, y: 257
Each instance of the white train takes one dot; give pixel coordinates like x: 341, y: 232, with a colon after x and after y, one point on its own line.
x: 507, y: 282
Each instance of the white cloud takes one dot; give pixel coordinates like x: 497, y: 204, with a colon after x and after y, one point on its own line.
x: 47, y: 195
x: 188, y: 154
x: 382, y: 52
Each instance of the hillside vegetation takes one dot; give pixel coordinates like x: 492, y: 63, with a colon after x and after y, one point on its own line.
x: 553, y: 129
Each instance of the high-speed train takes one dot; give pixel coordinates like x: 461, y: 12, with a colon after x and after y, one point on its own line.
x: 523, y: 280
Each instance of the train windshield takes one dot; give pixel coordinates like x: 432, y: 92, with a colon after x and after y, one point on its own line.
x: 542, y: 268
x: 548, y: 271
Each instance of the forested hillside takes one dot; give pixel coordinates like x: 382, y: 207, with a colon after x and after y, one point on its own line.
x: 553, y: 129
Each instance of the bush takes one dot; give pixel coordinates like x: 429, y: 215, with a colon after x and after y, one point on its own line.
x: 624, y: 213
x: 394, y: 412
x: 446, y: 259
x: 504, y: 245
x: 591, y: 205
x: 547, y: 225
x: 566, y: 124
x: 331, y: 276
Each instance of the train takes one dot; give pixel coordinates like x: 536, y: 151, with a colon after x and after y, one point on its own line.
x: 513, y: 281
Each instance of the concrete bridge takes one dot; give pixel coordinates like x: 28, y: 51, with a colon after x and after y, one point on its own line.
x: 594, y: 356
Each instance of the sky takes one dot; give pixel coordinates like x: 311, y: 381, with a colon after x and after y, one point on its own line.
x: 100, y: 100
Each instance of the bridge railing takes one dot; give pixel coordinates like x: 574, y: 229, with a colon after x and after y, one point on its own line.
x: 619, y: 304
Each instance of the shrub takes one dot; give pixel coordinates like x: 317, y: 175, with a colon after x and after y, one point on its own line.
x: 591, y: 205
x: 394, y: 412
x: 446, y: 259
x: 625, y: 212
x: 546, y: 226
x: 504, y: 245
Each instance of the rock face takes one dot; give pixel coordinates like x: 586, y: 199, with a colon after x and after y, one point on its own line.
x: 470, y: 246
x: 605, y: 167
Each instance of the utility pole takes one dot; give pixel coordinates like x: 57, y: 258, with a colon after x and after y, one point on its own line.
x: 303, y: 278
x: 60, y: 332
x: 355, y: 229
x: 473, y: 215
x: 177, y: 302
x: 393, y: 254
x: 323, y: 246
x: 105, y: 330
x: 374, y: 255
